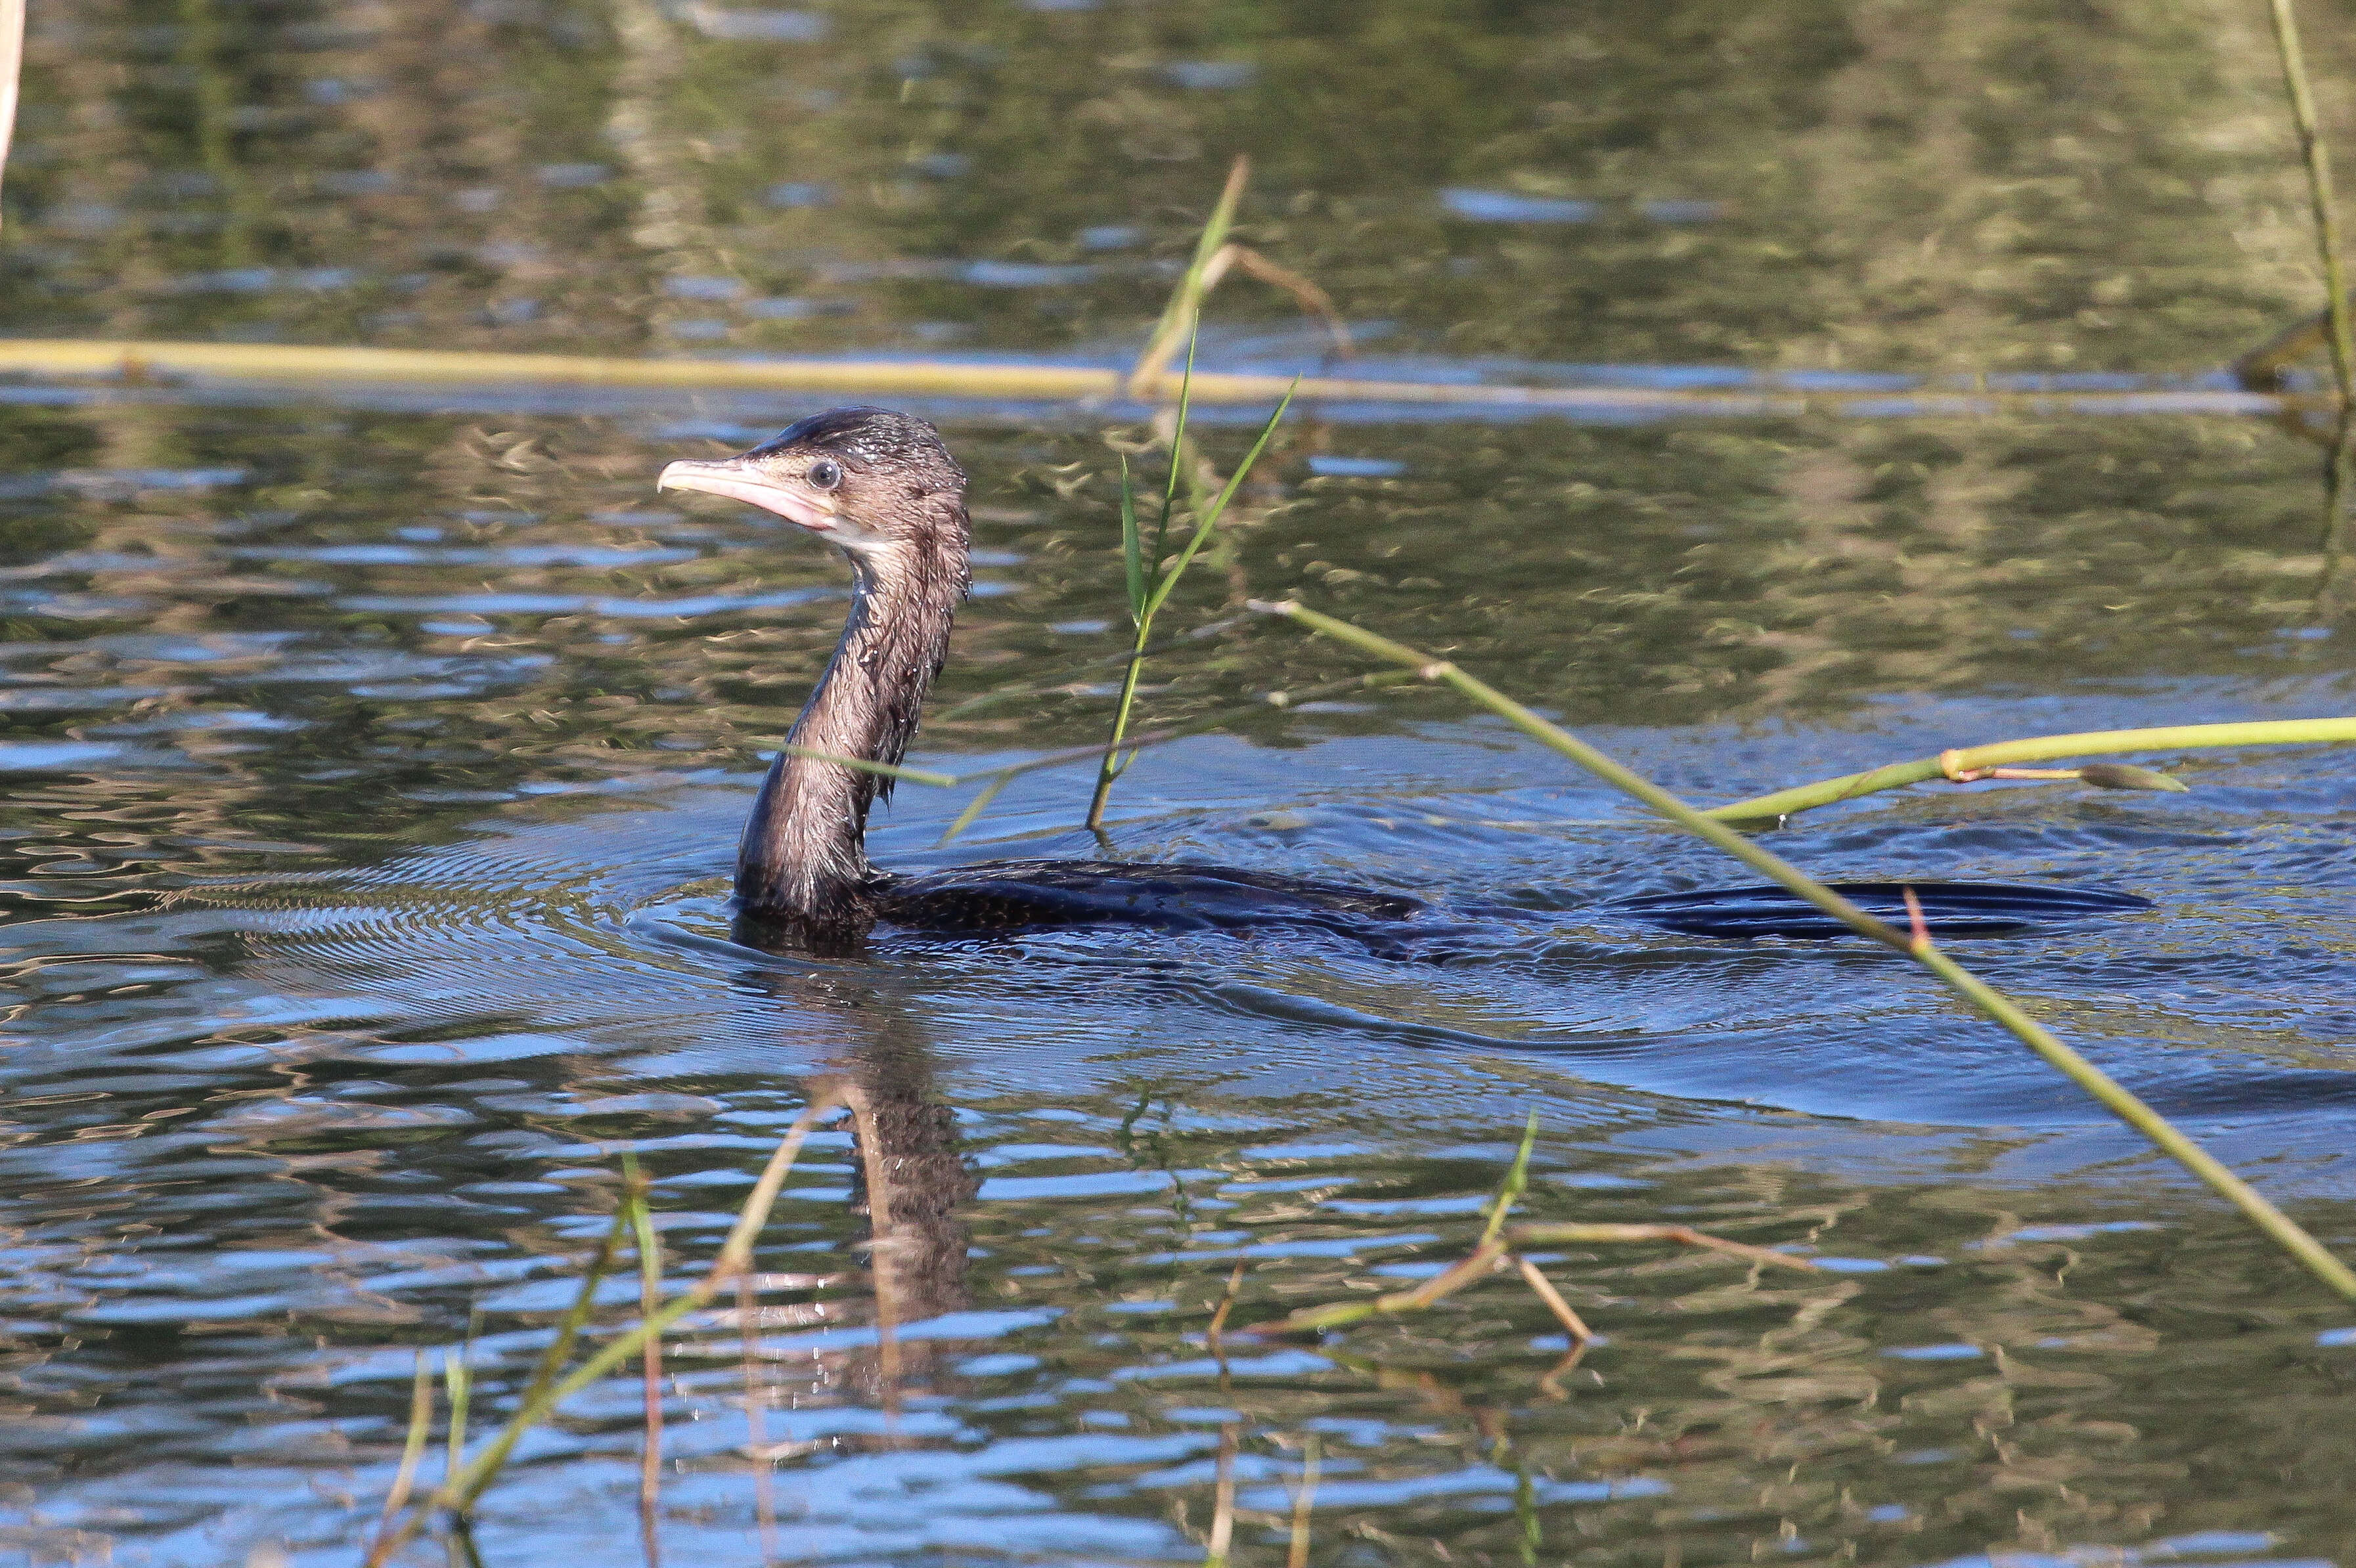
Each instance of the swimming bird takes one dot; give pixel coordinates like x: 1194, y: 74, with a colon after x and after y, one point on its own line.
x: 883, y: 488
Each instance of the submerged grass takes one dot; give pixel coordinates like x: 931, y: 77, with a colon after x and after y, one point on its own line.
x: 2286, y: 1232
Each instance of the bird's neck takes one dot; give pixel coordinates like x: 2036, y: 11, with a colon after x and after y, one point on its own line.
x: 804, y: 856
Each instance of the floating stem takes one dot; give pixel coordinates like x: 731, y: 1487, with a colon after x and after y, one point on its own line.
x: 2285, y: 1232
x: 1966, y: 763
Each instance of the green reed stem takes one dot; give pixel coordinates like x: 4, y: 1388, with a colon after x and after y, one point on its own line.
x: 1185, y: 306
x: 551, y: 1361
x: 1516, y: 1182
x: 735, y: 1257
x: 650, y: 1250
x: 1164, y: 584
x: 2285, y: 1232
x: 413, y: 1446
x: 2039, y: 748
x: 998, y: 694
x: 458, y: 1388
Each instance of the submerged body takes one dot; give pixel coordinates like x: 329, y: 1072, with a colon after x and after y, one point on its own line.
x: 882, y: 487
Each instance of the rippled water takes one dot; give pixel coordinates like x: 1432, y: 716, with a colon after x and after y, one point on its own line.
x: 374, y: 765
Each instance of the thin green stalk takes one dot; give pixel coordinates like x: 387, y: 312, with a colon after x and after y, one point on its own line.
x: 648, y: 1246
x: 735, y: 1257
x: 1516, y: 1182
x: 2285, y: 1232
x: 1158, y: 594
x: 997, y: 695
x: 1141, y: 585
x: 1967, y: 760
x: 1185, y: 305
x: 413, y: 1446
x: 551, y: 1361
x: 457, y: 1385
x: 2273, y: 1221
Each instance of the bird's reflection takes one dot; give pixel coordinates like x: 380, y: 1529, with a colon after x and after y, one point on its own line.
x: 910, y: 1179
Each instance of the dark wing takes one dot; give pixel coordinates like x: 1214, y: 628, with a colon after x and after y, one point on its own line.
x: 1010, y: 895
x: 1951, y: 909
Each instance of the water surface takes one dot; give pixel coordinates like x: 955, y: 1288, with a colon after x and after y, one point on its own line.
x: 374, y: 766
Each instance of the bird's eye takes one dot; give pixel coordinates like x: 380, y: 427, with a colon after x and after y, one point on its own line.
x: 824, y: 475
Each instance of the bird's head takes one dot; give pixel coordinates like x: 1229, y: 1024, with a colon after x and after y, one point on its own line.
x: 873, y: 482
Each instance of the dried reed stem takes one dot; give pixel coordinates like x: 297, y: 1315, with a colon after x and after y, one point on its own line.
x: 1223, y: 1504
x: 147, y: 360
x: 413, y: 1447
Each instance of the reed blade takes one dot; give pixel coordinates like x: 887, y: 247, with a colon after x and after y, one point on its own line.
x: 735, y: 1257
x: 649, y: 1246
x: 2285, y: 1232
x: 1516, y: 1182
x: 1980, y: 760
x: 1133, y: 547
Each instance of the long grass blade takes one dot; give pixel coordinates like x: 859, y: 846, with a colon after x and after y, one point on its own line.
x: 458, y: 1389
x: 1975, y: 760
x: 1112, y: 765
x: 1210, y: 518
x: 413, y: 1446
x: 1133, y: 547
x: 735, y: 1257
x: 1142, y: 605
x: 2285, y: 1232
x: 997, y: 695
x: 1181, y: 448
x: 552, y: 1359
x: 888, y: 770
x: 1516, y: 1182
x: 1186, y: 300
x: 977, y: 805
x: 649, y: 1246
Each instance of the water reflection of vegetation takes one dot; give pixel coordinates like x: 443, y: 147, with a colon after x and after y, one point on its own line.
x: 538, y: 171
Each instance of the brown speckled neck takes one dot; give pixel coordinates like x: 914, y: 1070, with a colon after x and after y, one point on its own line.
x: 803, y: 860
